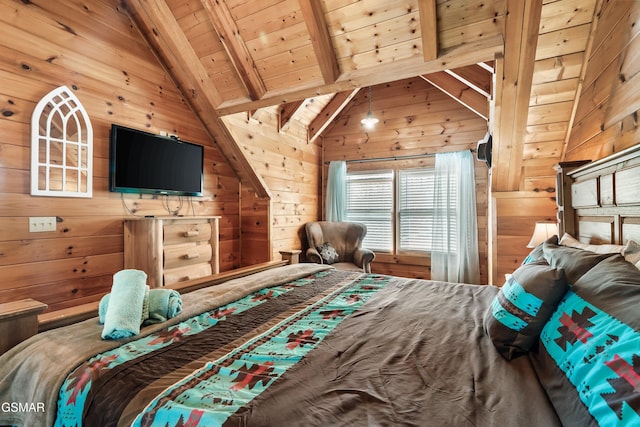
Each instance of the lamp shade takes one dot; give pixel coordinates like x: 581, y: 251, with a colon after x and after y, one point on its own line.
x: 542, y: 232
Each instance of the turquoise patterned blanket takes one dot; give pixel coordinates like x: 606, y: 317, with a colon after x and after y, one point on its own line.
x: 226, y: 380
x: 301, y: 346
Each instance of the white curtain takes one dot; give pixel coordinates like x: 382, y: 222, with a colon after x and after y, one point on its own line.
x: 458, y: 260
x: 336, y: 186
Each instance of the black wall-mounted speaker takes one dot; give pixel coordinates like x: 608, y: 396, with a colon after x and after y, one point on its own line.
x: 483, y: 151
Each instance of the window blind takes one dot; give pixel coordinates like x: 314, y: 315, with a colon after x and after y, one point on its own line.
x: 418, y: 227
x: 415, y: 210
x: 370, y: 200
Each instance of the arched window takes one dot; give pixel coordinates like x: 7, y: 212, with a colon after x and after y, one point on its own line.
x: 61, y: 146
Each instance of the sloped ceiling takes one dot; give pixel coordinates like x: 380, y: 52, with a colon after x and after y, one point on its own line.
x: 230, y: 56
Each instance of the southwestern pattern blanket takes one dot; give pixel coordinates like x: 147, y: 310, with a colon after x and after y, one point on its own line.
x: 312, y: 346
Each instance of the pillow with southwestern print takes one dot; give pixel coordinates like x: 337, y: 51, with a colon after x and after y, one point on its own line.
x: 523, y: 306
x: 328, y: 253
x: 588, y: 356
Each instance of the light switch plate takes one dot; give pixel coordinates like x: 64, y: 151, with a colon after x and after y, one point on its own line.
x: 39, y: 224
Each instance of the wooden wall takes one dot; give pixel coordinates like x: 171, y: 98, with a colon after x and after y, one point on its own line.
x: 415, y: 119
x: 92, y: 48
x: 255, y: 230
x: 290, y: 167
x: 606, y: 120
x: 516, y: 213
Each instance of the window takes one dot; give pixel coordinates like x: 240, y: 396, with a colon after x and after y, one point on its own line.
x: 398, y: 209
x: 61, y: 146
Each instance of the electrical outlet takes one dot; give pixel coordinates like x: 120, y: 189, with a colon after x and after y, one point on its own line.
x: 39, y: 224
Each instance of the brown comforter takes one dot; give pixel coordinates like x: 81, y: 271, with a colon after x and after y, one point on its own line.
x: 414, y: 354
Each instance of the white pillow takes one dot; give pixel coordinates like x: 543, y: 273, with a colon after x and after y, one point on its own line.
x: 568, y: 240
x: 630, y: 251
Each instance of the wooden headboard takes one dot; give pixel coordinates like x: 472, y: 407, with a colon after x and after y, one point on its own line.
x: 600, y: 202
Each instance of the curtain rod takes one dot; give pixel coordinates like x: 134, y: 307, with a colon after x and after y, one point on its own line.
x: 394, y: 158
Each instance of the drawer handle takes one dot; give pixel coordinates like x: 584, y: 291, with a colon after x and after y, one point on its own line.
x: 191, y: 233
x: 192, y: 256
x: 185, y: 278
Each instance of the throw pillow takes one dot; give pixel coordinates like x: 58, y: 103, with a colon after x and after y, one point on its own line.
x: 523, y: 306
x: 536, y: 253
x: 605, y: 248
x: 328, y: 253
x: 589, y: 350
x: 574, y: 261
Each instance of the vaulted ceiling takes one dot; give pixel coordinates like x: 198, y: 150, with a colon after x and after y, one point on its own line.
x: 230, y: 56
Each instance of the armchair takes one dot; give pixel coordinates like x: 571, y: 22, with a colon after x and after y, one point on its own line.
x: 346, y: 238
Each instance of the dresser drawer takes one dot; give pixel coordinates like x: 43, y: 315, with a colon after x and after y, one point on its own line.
x: 171, y: 249
x: 189, y: 272
x: 186, y: 254
x: 182, y: 232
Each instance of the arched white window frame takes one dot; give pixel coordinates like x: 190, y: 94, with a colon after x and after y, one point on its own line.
x: 61, y: 147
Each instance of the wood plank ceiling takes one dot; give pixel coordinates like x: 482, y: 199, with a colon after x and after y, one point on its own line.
x: 230, y: 56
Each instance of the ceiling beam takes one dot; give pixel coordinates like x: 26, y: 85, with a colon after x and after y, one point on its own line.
x: 320, y: 39
x: 459, y: 56
x: 428, y: 28
x: 159, y: 27
x: 474, y: 76
x: 234, y: 45
x: 459, y: 91
x: 286, y: 113
x: 487, y: 66
x: 513, y: 89
x: 583, y: 72
x: 162, y: 32
x: 330, y: 112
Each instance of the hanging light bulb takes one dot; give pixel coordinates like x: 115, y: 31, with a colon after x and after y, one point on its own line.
x: 369, y: 120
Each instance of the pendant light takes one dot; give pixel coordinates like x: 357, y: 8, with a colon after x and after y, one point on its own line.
x: 369, y: 120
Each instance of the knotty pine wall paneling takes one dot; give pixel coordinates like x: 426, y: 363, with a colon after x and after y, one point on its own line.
x: 291, y: 169
x: 415, y: 119
x: 255, y: 236
x: 92, y: 48
x: 606, y: 119
x: 605, y: 122
x: 516, y: 213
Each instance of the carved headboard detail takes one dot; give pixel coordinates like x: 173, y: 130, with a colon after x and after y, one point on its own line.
x: 603, y: 205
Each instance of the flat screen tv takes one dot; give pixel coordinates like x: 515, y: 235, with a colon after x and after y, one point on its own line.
x: 141, y: 162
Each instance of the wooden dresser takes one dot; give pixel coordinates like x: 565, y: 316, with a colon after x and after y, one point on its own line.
x: 172, y: 249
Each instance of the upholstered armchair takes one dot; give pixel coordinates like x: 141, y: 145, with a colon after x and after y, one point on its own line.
x: 339, y: 244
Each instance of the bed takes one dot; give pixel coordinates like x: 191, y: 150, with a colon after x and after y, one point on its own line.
x: 306, y: 344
